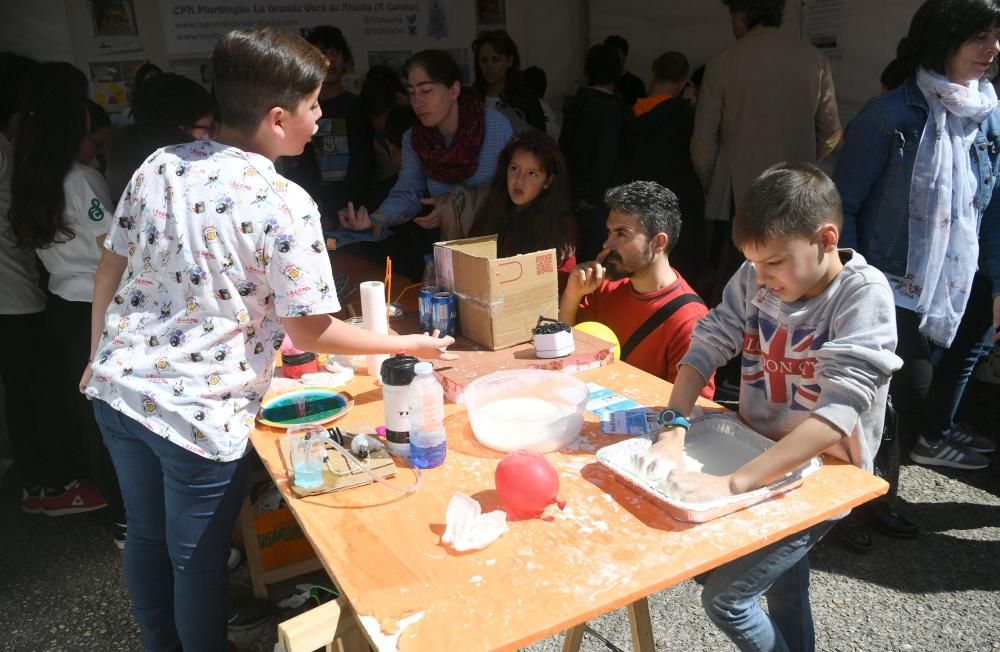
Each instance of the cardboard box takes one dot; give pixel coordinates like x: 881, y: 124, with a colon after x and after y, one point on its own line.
x: 499, y: 299
x: 279, y: 537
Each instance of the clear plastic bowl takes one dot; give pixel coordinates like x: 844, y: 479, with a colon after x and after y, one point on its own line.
x: 529, y: 409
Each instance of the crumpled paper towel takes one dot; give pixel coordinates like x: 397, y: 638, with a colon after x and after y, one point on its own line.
x: 468, y: 528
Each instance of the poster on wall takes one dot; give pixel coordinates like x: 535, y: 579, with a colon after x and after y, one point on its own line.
x: 490, y: 14
x: 114, y: 26
x: 112, y: 83
x: 377, y: 31
x: 824, y: 22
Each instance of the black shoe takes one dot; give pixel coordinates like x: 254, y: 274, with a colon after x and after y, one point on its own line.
x: 884, y: 517
x: 249, y: 614
x: 852, y: 530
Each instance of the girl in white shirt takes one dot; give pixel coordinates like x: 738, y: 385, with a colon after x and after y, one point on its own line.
x: 62, y: 209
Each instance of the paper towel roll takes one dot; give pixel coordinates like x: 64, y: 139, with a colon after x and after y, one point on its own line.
x: 373, y: 311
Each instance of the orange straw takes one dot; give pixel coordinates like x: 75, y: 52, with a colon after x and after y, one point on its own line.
x: 388, y: 286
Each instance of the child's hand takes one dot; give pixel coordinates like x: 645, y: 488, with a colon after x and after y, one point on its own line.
x: 354, y: 220
x: 660, y: 460
x: 587, y: 277
x: 693, y: 487
x: 431, y: 346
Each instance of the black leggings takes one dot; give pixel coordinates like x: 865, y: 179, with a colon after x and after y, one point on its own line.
x: 68, y: 325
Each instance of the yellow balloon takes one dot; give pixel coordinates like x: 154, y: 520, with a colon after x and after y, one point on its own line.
x: 597, y: 329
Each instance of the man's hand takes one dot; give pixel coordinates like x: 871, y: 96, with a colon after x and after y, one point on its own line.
x: 693, y: 487
x: 587, y: 277
x: 433, y: 219
x: 354, y: 220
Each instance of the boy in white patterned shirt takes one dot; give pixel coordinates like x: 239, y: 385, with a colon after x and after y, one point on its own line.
x: 212, y: 258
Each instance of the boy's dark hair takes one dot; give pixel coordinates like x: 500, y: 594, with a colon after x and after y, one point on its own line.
x: 131, y: 145
x: 603, y: 65
x: 172, y: 98
x: 378, y: 97
x: 656, y: 207
x: 328, y: 37
x: 764, y: 13
x: 503, y: 44
x: 940, y: 28
x: 146, y: 71
x: 438, y: 64
x: 52, y: 100
x: 671, y: 67
x: 397, y: 122
x: 789, y: 200
x: 257, y: 70
x: 535, y: 78
x: 99, y: 118
x: 619, y: 43
x: 894, y: 75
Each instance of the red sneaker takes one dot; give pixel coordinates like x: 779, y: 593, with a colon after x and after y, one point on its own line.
x: 80, y: 496
x: 31, y: 500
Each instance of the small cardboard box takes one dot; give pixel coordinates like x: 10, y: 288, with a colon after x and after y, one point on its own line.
x: 499, y: 299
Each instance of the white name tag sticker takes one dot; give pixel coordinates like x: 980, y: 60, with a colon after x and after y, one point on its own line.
x: 767, y: 303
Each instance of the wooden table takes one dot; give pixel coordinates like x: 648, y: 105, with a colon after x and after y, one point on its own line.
x: 609, y: 548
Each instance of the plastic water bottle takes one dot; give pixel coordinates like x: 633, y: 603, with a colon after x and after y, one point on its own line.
x: 430, y: 275
x: 428, y: 445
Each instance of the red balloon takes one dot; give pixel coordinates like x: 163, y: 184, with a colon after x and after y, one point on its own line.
x: 527, y: 483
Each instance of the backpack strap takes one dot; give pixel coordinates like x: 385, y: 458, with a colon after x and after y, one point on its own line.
x: 655, y: 320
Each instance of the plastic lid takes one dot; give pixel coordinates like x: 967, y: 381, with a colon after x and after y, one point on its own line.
x: 398, y: 370
x: 423, y: 368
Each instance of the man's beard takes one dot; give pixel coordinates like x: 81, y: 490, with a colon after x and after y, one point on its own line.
x: 615, y: 268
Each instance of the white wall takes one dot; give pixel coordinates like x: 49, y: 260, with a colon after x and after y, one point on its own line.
x: 547, y: 33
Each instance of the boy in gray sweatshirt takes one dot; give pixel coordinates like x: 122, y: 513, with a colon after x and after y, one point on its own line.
x: 816, y: 329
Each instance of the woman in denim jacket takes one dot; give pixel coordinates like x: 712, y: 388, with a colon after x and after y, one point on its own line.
x: 916, y: 174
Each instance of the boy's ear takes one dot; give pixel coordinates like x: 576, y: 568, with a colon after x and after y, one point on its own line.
x: 274, y: 120
x: 829, y: 236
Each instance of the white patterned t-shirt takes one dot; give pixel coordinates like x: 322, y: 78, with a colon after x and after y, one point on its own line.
x: 219, y: 247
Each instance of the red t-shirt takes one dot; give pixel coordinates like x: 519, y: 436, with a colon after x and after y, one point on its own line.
x: 616, y: 305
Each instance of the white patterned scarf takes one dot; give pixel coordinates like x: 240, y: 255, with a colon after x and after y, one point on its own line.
x: 943, y: 243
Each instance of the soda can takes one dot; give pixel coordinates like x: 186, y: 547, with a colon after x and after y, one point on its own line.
x: 426, y: 321
x: 444, y: 313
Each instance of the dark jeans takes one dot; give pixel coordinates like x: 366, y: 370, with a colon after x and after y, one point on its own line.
x: 181, y: 511
x: 42, y: 444
x: 68, y: 324
x: 929, y: 387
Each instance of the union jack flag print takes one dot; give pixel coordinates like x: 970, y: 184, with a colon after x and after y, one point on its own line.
x: 782, y: 363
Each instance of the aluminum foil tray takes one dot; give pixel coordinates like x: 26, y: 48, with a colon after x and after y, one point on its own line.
x: 721, y: 444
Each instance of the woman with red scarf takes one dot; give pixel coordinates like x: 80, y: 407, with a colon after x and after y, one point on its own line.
x: 457, y: 142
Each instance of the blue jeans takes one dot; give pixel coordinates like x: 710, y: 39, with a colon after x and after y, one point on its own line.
x: 781, y: 573
x: 929, y: 388
x: 181, y: 509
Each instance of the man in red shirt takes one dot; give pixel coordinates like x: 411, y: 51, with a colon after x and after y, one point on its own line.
x: 631, y: 287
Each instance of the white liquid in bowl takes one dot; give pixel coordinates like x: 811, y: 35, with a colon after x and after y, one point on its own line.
x: 537, y: 424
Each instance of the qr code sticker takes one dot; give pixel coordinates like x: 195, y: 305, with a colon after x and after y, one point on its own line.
x: 544, y: 264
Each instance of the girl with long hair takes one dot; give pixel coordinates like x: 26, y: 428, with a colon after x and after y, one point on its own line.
x: 527, y: 204
x: 62, y: 209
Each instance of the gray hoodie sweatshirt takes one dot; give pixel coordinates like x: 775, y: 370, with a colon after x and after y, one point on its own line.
x: 829, y: 356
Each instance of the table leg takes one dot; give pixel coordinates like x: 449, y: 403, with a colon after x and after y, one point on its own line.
x: 574, y: 638
x: 641, y: 625
x: 254, y: 566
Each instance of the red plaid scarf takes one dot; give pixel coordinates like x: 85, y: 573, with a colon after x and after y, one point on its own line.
x: 457, y: 162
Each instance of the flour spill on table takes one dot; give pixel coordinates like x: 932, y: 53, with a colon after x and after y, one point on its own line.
x: 383, y: 641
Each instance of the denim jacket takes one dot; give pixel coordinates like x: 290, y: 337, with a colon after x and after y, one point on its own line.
x: 873, y: 175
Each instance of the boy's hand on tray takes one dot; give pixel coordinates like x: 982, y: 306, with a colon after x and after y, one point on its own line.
x: 694, y: 487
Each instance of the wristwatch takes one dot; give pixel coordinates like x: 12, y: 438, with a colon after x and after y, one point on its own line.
x: 671, y: 418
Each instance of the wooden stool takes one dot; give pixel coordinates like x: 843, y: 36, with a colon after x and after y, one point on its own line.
x: 330, y: 626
